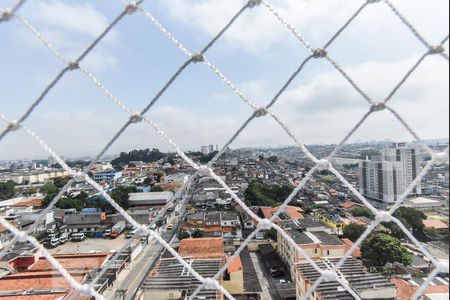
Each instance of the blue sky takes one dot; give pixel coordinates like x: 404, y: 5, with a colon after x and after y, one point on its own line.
x: 257, y: 54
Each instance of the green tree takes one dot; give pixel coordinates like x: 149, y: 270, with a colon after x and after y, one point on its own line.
x: 380, y: 248
x: 60, y: 182
x: 354, y: 231
x: 410, y: 217
x: 271, y: 234
x: 157, y: 188
x: 394, y: 229
x: 147, y: 181
x: 7, y: 190
x: 260, y: 194
x: 198, y: 233
x: 49, y: 188
x: 183, y: 235
x: 362, y: 212
x: 120, y: 195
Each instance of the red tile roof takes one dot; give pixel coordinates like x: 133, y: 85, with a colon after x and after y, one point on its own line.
x: 435, y: 224
x: 405, y: 290
x: 72, y: 261
x: 348, y: 244
x: 202, y: 248
x: 32, y: 202
x: 292, y: 211
x: 235, y: 265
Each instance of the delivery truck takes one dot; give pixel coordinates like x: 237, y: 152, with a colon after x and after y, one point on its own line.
x: 118, y: 228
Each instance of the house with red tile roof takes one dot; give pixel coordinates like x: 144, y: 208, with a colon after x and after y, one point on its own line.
x: 42, y: 281
x: 202, y: 248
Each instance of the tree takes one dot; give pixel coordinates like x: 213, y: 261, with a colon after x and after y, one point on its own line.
x: 157, y: 188
x: 148, y: 181
x: 273, y: 159
x: 353, y: 231
x: 49, y: 188
x: 362, y: 212
x: 183, y: 235
x: 410, y: 217
x: 198, y: 233
x: 260, y: 194
x: 394, y: 229
x: 380, y: 249
x: 146, y: 155
x: 7, y: 190
x: 60, y: 182
x: 271, y: 234
x: 120, y: 195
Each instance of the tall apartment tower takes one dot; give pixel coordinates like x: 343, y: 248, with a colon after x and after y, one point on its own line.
x: 204, y: 150
x: 211, y: 148
x: 51, y: 161
x: 387, y: 176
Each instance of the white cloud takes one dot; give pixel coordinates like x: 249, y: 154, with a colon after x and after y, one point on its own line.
x: 257, y: 29
x: 70, y: 28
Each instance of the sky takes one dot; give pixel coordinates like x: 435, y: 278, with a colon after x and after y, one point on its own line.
x: 257, y: 54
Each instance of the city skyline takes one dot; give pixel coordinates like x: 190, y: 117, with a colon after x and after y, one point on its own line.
x: 75, y: 119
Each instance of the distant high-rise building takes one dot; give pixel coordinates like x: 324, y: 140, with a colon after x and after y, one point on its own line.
x: 211, y: 148
x: 386, y: 177
x: 51, y: 161
x: 217, y: 148
x: 204, y: 150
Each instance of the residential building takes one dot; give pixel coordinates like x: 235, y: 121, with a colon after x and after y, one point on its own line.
x: 316, y: 244
x: 38, y: 279
x: 204, y: 150
x: 387, y: 176
x: 366, y: 285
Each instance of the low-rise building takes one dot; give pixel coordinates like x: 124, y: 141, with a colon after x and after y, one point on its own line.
x: 148, y: 200
x: 316, y: 245
x: 365, y: 284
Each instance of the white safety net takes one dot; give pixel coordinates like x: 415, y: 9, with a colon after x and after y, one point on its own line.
x: 12, y: 14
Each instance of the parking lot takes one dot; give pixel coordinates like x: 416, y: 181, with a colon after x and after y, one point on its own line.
x: 91, y: 245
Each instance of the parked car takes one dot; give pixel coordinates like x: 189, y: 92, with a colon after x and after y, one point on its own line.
x: 277, y: 272
x: 54, y: 243
x: 169, y: 226
x: 63, y: 238
x: 78, y: 237
x: 107, y: 233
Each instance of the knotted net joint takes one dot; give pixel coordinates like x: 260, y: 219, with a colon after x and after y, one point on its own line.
x: 135, y: 118
x: 383, y: 216
x: 5, y: 15
x: 78, y: 176
x: 438, y: 49
x: 260, y: 112
x: 204, y: 171
x: 210, y: 283
x: 441, y: 158
x: 265, y: 224
x: 319, y: 53
x: 378, y: 107
x: 13, y: 125
x: 73, y: 65
x: 253, y: 3
x: 323, y: 165
x: 22, y: 236
x: 329, y: 276
x: 85, y: 290
x: 131, y: 8
x: 373, y: 1
x: 442, y: 267
x: 196, y: 58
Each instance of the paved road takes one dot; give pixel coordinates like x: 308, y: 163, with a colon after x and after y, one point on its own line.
x: 130, y: 285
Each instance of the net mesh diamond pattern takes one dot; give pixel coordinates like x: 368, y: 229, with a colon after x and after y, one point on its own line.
x: 131, y: 8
